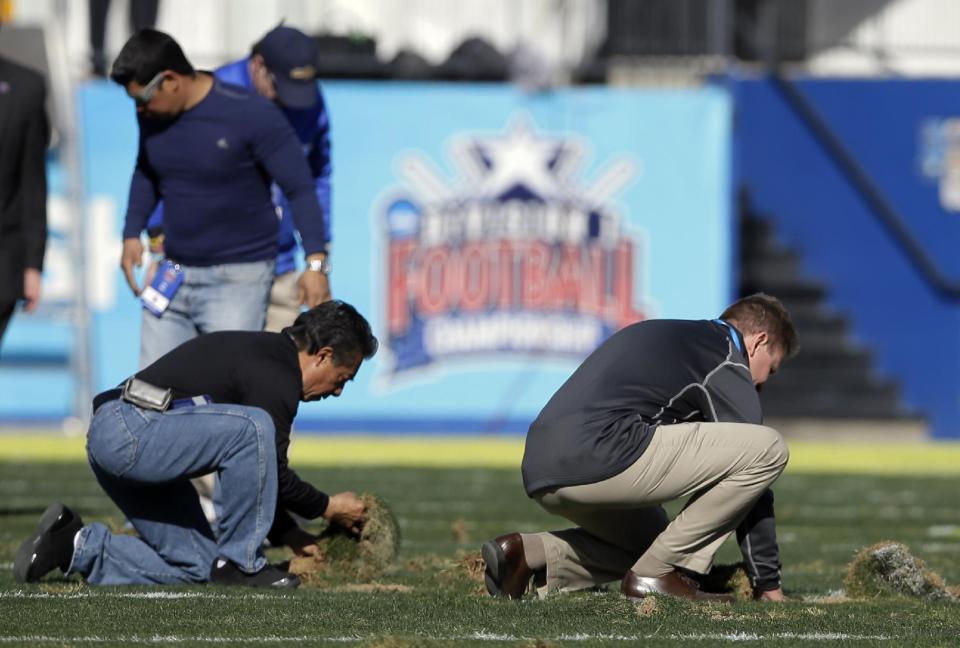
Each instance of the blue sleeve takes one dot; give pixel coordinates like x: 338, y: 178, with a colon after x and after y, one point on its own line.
x: 144, y: 196
x: 276, y: 147
x: 321, y: 167
x: 234, y: 73
x: 155, y: 222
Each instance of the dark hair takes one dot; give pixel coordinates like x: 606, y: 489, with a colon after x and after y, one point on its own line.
x: 764, y: 313
x: 146, y: 54
x: 337, y: 325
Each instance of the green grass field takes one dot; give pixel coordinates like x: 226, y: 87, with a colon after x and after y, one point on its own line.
x: 908, y: 494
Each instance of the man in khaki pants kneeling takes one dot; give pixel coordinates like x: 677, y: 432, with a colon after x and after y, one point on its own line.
x: 663, y: 409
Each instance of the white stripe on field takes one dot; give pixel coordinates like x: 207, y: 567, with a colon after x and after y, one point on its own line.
x: 20, y: 594
x: 477, y: 636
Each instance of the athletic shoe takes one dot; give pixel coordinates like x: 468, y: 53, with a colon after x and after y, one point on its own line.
x: 225, y: 572
x: 51, y: 546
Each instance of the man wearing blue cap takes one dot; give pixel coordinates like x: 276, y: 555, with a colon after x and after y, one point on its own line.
x: 281, y: 68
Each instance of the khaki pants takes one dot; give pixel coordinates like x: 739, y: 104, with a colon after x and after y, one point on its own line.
x: 722, y: 467
x: 284, y: 304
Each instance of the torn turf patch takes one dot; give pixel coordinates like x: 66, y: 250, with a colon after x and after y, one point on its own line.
x: 889, y: 569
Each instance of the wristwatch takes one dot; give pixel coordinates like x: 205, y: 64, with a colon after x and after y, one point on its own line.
x: 320, y: 265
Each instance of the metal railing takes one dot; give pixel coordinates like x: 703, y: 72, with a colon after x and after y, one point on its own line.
x: 62, y: 91
x: 858, y: 179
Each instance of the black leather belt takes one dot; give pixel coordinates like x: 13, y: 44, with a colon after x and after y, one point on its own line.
x: 106, y: 397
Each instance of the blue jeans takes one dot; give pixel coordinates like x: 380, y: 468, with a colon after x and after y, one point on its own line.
x: 228, y: 297
x: 144, y: 461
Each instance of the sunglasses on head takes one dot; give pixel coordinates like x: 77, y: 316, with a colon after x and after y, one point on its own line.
x: 143, y: 97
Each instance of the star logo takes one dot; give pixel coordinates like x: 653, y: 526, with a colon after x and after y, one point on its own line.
x: 515, y: 252
x: 519, y: 161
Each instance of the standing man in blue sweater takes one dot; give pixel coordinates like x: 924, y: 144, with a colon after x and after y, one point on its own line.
x: 281, y: 68
x: 210, y: 151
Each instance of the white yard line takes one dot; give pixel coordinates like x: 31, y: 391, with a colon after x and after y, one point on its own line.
x: 166, y: 639
x: 20, y: 594
x: 477, y: 636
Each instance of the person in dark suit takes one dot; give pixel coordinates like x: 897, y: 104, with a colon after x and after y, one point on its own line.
x: 24, y: 133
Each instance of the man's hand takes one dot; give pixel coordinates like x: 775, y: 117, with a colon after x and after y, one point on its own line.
x: 313, y: 288
x: 346, y: 510
x: 31, y: 289
x: 132, y: 256
x: 772, y: 595
x: 301, y: 542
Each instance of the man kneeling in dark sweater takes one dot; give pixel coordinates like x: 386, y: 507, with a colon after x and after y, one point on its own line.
x: 223, y: 402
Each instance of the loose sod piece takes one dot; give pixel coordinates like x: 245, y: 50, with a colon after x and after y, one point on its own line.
x: 889, y: 569
x: 464, y: 570
x: 471, y: 565
x: 727, y: 579
x: 344, y: 555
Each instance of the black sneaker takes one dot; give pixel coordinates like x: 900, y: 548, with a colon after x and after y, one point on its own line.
x: 228, y: 573
x: 51, y: 546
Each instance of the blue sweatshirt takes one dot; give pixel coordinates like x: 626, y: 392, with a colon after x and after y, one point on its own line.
x: 212, y: 166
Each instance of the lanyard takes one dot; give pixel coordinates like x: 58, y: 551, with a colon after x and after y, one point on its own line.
x: 733, y: 334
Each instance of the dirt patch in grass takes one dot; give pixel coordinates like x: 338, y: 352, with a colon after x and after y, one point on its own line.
x: 62, y: 586
x: 426, y: 562
x: 647, y: 607
x: 472, y: 565
x: 889, y: 569
x: 727, y: 579
x: 459, y: 531
x: 374, y: 588
x: 463, y: 570
x: 342, y: 555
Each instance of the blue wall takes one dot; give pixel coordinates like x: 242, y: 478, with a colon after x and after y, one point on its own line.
x: 667, y: 154
x: 900, y: 133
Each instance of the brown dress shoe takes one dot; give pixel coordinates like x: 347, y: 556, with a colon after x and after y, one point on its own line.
x: 671, y: 584
x: 506, y: 573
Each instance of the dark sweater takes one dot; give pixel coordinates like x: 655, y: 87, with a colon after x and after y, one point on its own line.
x: 247, y: 368
x: 23, y: 183
x: 212, y: 165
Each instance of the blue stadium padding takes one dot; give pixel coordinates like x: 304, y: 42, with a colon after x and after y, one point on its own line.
x: 913, y: 330
x: 41, y: 394
x: 29, y: 335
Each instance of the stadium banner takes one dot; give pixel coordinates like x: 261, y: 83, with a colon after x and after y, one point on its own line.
x: 492, y: 237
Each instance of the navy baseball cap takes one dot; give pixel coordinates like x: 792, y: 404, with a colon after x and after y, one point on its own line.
x: 291, y: 57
